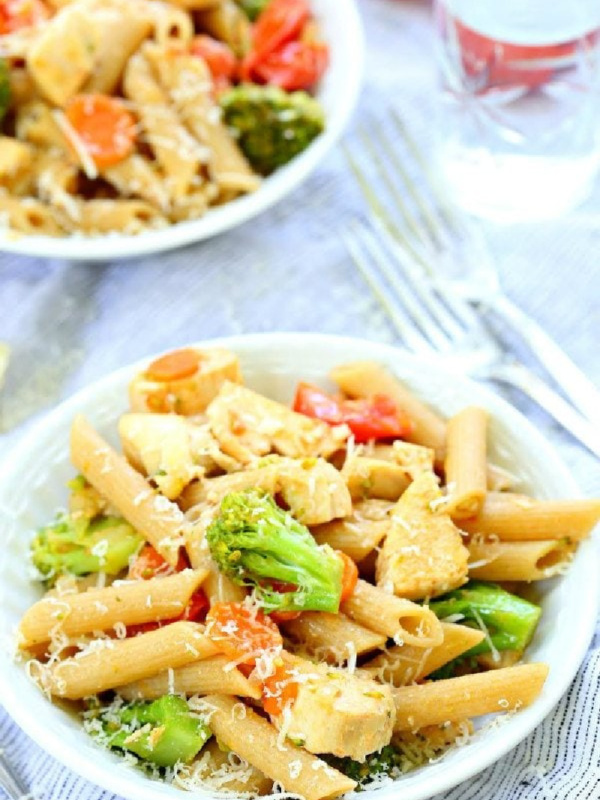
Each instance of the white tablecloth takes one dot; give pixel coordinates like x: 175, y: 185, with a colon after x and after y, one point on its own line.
x: 69, y: 324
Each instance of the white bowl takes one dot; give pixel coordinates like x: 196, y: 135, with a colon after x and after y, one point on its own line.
x: 341, y: 27
x: 32, y: 487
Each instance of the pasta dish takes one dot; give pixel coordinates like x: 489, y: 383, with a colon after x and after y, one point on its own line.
x: 130, y: 115
x: 253, y: 598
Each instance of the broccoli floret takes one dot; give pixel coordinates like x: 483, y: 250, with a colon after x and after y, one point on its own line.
x: 259, y: 544
x: 163, y: 732
x: 388, y: 762
x: 253, y: 8
x: 510, y: 620
x: 77, y: 546
x: 271, y: 126
x: 4, y: 88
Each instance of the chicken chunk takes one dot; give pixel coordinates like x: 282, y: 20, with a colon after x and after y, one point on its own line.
x: 190, y: 394
x: 373, y: 477
x: 423, y: 554
x: 346, y: 715
x: 171, y: 450
x: 413, y: 458
x: 313, y: 489
x: 359, y: 533
x: 249, y: 425
x: 212, y: 490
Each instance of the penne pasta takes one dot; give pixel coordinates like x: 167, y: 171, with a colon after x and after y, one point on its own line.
x: 333, y: 637
x: 518, y: 561
x: 258, y: 742
x: 515, y: 517
x: 122, y: 661
x: 468, y: 696
x: 399, y: 619
x: 204, y: 677
x: 130, y: 603
x: 409, y: 664
x: 466, y: 462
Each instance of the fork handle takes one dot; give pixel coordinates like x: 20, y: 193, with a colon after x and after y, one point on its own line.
x: 581, y: 391
x: 534, y: 387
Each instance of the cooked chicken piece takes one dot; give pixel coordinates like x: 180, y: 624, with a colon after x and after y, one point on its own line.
x: 373, y: 477
x: 189, y: 395
x: 422, y: 554
x: 359, y: 533
x: 248, y: 425
x: 313, y: 489
x: 171, y: 450
x: 413, y: 458
x: 335, y: 712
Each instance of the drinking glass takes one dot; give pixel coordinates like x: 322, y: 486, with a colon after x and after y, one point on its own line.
x: 518, y: 126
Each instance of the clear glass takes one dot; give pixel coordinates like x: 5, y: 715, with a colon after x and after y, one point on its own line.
x: 518, y: 127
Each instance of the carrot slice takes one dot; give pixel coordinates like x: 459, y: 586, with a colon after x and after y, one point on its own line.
x: 174, y: 366
x: 278, y: 690
x: 241, y: 633
x: 105, y: 127
x: 349, y: 576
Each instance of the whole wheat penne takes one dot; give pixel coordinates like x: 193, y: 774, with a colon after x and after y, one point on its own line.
x: 126, y: 660
x: 518, y: 561
x: 161, y: 521
x: 468, y: 696
x: 397, y: 618
x: 374, y: 478
x: 517, y: 517
x: 257, y: 741
x: 222, y: 771
x: 364, y: 378
x: 334, y: 637
x: 202, y: 677
x: 466, y: 462
x: 129, y: 603
x: 408, y: 664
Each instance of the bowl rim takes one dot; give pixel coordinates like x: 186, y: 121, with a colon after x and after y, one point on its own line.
x: 217, y: 220
x: 519, y: 725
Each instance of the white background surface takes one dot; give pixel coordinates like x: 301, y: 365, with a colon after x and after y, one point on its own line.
x: 288, y: 270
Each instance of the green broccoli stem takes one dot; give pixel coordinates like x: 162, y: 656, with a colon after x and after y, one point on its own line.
x: 163, y: 732
x: 510, y: 620
x: 260, y: 545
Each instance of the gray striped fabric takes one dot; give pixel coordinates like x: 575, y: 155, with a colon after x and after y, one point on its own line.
x: 288, y: 270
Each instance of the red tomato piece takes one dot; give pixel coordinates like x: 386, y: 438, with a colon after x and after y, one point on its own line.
x: 219, y: 58
x: 370, y: 418
x: 281, y: 21
x: 293, y: 66
x: 17, y: 14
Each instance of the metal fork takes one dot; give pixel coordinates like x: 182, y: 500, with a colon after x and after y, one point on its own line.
x: 447, y: 247
x: 430, y: 323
